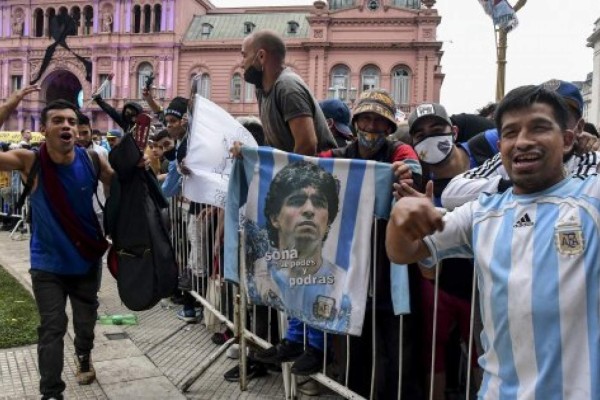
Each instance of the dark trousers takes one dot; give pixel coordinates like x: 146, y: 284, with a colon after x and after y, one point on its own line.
x: 51, y: 291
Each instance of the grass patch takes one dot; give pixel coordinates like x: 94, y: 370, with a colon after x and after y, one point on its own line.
x: 18, y: 313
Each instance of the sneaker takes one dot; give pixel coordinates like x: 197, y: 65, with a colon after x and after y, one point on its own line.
x: 255, y: 370
x: 85, y: 370
x: 310, y: 362
x: 189, y: 316
x: 284, y: 352
x: 309, y: 387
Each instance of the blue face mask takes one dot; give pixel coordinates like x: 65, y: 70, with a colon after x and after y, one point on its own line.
x: 372, y: 141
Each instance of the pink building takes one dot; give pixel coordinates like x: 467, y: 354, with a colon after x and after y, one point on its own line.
x: 339, y: 49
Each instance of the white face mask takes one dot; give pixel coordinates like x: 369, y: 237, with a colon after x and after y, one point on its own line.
x: 435, y: 149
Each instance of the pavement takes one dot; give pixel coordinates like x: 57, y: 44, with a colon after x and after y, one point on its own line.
x: 155, y: 359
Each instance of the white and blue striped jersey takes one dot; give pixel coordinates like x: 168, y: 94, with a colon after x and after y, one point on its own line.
x: 538, y: 271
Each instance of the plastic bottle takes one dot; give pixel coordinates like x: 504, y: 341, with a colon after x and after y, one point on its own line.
x: 118, y: 319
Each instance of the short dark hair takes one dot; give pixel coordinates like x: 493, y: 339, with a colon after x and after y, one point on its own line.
x: 525, y: 96
x: 160, y: 135
x: 271, y: 41
x: 56, y: 105
x: 96, y: 132
x: 82, y: 119
x: 254, y: 126
x: 590, y: 128
x: 487, y: 110
x: 294, y: 176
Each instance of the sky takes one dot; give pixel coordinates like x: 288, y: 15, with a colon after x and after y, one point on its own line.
x: 550, y: 42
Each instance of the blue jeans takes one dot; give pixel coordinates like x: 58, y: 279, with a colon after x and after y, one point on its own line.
x: 51, y: 291
x: 295, y: 333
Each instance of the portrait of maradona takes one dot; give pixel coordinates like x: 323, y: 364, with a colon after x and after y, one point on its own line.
x: 300, y: 206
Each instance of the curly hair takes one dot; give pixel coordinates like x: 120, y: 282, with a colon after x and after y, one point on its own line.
x: 295, y: 176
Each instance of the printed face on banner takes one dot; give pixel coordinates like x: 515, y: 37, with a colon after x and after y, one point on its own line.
x: 298, y: 258
x: 302, y: 219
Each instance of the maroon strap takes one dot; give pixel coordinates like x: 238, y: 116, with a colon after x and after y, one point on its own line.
x: 90, y: 248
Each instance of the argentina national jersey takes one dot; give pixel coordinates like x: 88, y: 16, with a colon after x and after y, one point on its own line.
x: 538, y: 272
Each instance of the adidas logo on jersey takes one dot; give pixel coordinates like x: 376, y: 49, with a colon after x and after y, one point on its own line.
x: 524, y: 221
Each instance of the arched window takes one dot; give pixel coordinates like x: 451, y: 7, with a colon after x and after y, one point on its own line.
x: 339, y: 82
x: 236, y: 87
x: 76, y: 14
x: 415, y: 4
x: 369, y: 78
x: 137, y: 19
x: 293, y: 27
x: 147, y: 18
x: 401, y: 85
x: 248, y: 27
x: 206, y: 29
x: 144, y: 71
x: 38, y: 22
x: 50, y: 13
x: 204, y: 89
x: 157, y: 17
x: 88, y: 20
x: 338, y: 4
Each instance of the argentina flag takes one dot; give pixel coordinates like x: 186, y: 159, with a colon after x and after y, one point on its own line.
x: 307, y: 224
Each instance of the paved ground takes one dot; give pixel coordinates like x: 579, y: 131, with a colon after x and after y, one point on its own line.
x: 152, y: 360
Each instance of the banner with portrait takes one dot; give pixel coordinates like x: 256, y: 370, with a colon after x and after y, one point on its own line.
x: 307, y: 225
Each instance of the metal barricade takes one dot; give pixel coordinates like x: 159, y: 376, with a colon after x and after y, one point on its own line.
x: 13, y: 219
x: 197, y: 238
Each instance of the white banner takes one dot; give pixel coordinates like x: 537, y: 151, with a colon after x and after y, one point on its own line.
x: 212, y: 133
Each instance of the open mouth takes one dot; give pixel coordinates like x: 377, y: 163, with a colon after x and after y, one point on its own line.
x: 526, y: 161
x: 66, y: 136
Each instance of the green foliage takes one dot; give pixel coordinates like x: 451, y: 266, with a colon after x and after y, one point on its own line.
x: 18, y: 313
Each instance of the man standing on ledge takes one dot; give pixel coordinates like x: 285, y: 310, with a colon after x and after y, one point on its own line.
x: 291, y: 117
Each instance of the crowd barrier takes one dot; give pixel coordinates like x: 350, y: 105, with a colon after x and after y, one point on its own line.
x: 10, y: 190
x: 197, y: 239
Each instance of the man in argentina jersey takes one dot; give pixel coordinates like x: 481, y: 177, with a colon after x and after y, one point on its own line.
x: 535, y: 249
x: 491, y: 177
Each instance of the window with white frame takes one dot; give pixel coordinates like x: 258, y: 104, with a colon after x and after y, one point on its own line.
x: 16, y: 82
x: 369, y: 78
x: 236, y: 87
x: 339, y: 81
x: 401, y: 85
x: 107, y: 91
x: 144, y: 71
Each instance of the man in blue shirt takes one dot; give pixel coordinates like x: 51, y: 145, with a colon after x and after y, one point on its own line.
x: 66, y: 243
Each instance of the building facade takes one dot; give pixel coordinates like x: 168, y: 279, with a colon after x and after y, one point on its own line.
x: 339, y: 49
x: 593, y: 111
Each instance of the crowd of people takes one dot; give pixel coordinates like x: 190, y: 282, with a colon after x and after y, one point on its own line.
x: 507, y: 198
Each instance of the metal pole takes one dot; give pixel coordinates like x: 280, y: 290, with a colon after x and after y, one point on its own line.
x: 501, y: 46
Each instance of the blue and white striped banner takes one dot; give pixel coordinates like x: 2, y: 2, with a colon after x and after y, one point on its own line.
x: 502, y: 13
x: 316, y: 273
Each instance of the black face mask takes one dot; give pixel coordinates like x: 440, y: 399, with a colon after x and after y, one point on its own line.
x: 254, y: 76
x: 170, y: 154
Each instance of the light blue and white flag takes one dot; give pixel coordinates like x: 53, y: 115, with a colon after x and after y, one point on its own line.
x: 307, y: 224
x: 212, y: 133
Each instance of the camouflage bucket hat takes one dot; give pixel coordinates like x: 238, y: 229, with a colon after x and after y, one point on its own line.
x: 377, y: 101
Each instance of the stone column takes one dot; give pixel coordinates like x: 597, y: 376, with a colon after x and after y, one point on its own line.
x: 171, y: 90
x: 20, y: 119
x: 36, y: 123
x: 128, y: 16
x: 117, y: 17
x: 26, y: 67
x: 163, y: 16
x: 96, y: 23
x: 116, y: 79
x: 27, y: 23
x: 4, y: 78
x: 125, y: 77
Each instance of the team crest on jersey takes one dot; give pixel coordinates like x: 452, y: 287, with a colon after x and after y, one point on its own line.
x: 568, y: 238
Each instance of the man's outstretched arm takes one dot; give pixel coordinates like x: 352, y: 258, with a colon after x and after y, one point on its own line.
x: 411, y: 220
x: 13, y: 101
